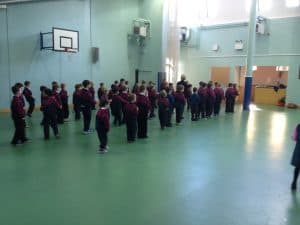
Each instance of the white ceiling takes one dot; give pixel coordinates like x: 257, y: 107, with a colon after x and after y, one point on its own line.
x: 210, y: 12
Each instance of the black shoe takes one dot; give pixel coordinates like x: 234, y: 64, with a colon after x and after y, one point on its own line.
x: 294, y: 186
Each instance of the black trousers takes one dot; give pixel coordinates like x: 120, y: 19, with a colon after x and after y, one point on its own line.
x: 131, y: 126
x: 65, y: 110
x: 229, y: 108
x: 169, y: 117
x: 195, y: 112
x: 217, y: 108
x: 209, y: 108
x: 102, y: 135
x: 77, y: 111
x: 142, y: 121
x: 117, y: 117
x: 179, y: 112
x: 31, y: 107
x: 19, y: 134
x: 163, y: 118
x: 60, y: 116
x: 153, y: 106
x: 50, y: 120
x: 87, y: 116
x: 202, y: 109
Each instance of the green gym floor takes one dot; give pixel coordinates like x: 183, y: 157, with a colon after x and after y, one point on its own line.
x: 234, y: 170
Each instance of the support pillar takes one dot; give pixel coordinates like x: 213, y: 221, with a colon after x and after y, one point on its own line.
x: 250, y: 54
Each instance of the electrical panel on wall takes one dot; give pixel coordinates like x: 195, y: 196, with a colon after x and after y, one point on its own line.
x: 239, y: 45
x: 215, y: 47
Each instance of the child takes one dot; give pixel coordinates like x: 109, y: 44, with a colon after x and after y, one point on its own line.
x: 219, y: 92
x: 18, y: 116
x: 179, y: 103
x: 42, y: 89
x: 210, y: 100
x: 64, y: 101
x: 100, y: 91
x: 194, y: 102
x: 49, y: 107
x: 76, y: 101
x: 87, y: 103
x: 131, y: 113
x: 29, y: 98
x: 55, y: 93
x: 188, y: 93
x: 124, y: 95
x: 152, y: 98
x: 296, y: 157
x: 143, y: 104
x: 230, y: 99
x: 171, y: 100
x: 163, y: 109
x: 102, y: 125
x: 92, y: 92
x: 203, y: 96
x: 116, y: 107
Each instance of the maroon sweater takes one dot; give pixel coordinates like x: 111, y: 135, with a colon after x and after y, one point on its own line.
x: 17, y: 108
x: 179, y: 98
x: 131, y: 111
x: 102, y: 119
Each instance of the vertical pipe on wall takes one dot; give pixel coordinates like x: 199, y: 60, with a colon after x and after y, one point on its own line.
x: 8, y: 55
x: 251, y: 49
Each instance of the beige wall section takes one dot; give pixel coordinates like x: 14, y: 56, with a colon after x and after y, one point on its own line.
x: 220, y: 75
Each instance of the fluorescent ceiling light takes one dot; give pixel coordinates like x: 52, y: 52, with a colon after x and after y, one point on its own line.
x: 292, y: 3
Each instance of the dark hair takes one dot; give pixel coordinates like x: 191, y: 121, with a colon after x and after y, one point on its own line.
x: 126, y: 82
x: 85, y: 83
x: 19, y: 85
x: 230, y: 85
x: 103, y: 102
x: 131, y: 97
x: 209, y: 85
x: 195, y: 89
x: 122, y: 80
x: 26, y: 83
x: 180, y: 87
x: 62, y: 85
x: 15, y: 89
x: 167, y: 89
x: 47, y: 92
x: 101, y: 84
x: 116, y: 82
x: 142, y: 88
x: 42, y: 88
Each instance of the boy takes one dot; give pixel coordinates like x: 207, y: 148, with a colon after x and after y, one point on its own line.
x: 124, y: 95
x: 55, y: 93
x: 203, y: 96
x: 102, y: 125
x: 131, y: 113
x: 87, y: 103
x: 219, y: 92
x: 49, y: 107
x: 116, y: 107
x: 29, y: 98
x: 171, y: 100
x: 163, y: 109
x: 143, y: 104
x: 64, y: 101
x: 194, y: 102
x: 210, y: 100
x: 230, y: 99
x: 179, y: 103
x: 92, y: 92
x: 152, y: 98
x: 18, y: 116
x: 76, y: 101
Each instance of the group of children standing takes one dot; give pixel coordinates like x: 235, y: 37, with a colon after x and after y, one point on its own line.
x: 132, y: 108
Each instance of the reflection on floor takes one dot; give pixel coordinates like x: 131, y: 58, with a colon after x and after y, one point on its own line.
x: 233, y: 170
